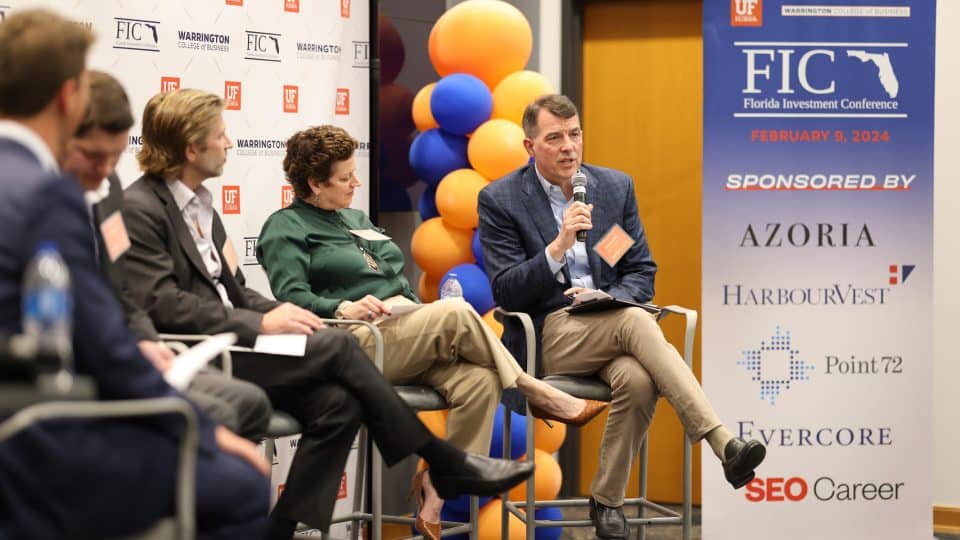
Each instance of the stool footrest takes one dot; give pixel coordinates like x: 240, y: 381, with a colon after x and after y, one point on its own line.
x: 669, y: 516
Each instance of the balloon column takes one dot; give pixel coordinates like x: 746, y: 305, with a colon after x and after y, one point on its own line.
x: 470, y: 134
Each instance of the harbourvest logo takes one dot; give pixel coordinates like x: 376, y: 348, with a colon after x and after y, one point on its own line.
x: 799, y: 235
x: 260, y: 147
x: 775, y: 365
x: 136, y: 34
x: 833, y: 294
x: 817, y: 79
x: 203, y: 41
x: 307, y: 50
x: 746, y: 12
x: 361, y: 54
x: 899, y: 273
x: 169, y: 84
x: 291, y: 6
x: 232, y: 95
x: 286, y: 195
x: 345, y: 9
x: 231, y: 199
x: 263, y: 46
x: 343, y: 101
x: 291, y: 98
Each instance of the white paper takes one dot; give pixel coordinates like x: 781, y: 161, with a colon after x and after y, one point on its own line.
x: 188, y: 363
x: 369, y: 234
x: 401, y: 309
x: 282, y: 344
x: 592, y: 295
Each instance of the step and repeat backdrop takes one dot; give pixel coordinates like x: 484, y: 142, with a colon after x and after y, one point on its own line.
x: 817, y: 264
x: 280, y: 65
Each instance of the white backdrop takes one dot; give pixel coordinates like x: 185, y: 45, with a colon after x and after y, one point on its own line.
x: 281, y: 65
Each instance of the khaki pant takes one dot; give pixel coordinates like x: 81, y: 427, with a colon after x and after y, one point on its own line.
x: 627, y: 349
x: 446, y: 345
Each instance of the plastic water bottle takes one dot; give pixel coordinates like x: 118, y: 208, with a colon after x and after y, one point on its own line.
x: 451, y: 288
x: 47, y: 312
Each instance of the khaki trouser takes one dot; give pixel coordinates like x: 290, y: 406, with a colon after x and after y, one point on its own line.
x: 446, y: 345
x: 627, y: 349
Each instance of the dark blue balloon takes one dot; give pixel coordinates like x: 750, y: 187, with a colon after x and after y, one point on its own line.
x: 518, y: 435
x: 548, y: 533
x: 394, y: 198
x: 460, y: 103
x: 475, y: 285
x: 435, y: 153
x: 428, y: 203
x: 477, y: 250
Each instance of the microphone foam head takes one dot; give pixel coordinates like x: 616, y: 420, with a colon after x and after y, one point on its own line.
x: 579, y: 180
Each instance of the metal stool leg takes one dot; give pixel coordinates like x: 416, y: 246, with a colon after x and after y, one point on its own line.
x: 642, y: 486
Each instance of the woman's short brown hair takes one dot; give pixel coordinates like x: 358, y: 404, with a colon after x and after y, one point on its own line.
x: 312, y: 152
x: 171, y: 122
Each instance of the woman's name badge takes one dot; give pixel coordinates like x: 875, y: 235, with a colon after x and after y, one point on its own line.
x: 369, y: 234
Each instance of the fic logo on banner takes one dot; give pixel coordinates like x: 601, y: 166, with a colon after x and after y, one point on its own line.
x: 231, y: 95
x: 746, y: 12
x: 169, y: 84
x: 286, y: 196
x: 231, y: 199
x: 291, y: 98
x: 343, y: 101
x: 136, y: 34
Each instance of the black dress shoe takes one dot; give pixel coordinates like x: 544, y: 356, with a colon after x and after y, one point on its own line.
x: 480, y: 475
x: 609, y: 521
x: 740, y: 458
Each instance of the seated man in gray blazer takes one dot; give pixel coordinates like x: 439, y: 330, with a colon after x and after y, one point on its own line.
x: 92, y: 155
x: 183, y: 270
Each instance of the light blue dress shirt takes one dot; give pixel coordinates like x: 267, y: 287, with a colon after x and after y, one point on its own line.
x: 574, y: 258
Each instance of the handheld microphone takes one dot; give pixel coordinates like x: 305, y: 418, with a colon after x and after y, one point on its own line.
x: 580, y: 195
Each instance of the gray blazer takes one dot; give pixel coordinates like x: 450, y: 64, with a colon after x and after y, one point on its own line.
x: 166, y: 276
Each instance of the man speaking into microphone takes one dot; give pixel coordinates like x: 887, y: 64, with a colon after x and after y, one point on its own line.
x: 557, y: 228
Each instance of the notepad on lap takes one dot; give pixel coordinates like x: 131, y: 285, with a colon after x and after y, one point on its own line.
x: 187, y: 364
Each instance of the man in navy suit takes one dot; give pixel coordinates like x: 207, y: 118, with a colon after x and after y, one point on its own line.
x: 528, y: 228
x: 90, y: 479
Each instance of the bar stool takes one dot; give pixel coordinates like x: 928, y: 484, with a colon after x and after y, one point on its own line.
x: 596, y: 388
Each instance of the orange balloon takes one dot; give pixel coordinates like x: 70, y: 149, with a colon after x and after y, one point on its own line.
x: 515, y: 92
x: 428, y: 288
x: 422, y: 115
x: 485, y: 38
x: 547, y: 478
x: 548, y: 439
x: 436, y: 422
x: 494, y: 324
x: 457, y: 196
x: 488, y: 523
x: 496, y: 148
x: 437, y: 247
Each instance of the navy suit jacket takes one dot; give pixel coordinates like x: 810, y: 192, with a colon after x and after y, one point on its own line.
x: 516, y: 224
x: 64, y: 466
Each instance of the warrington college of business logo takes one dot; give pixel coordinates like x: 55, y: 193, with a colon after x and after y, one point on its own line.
x: 203, y: 41
x: 136, y: 34
x: 775, y: 365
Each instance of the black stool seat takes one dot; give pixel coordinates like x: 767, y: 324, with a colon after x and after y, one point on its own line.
x: 421, y: 398
x: 582, y: 387
x: 282, y: 425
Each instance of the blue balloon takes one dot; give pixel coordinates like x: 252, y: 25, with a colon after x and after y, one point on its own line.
x: 518, y: 435
x: 428, y: 203
x: 475, y: 285
x: 394, y: 198
x: 477, y: 251
x: 548, y: 533
x: 460, y: 103
x: 435, y: 153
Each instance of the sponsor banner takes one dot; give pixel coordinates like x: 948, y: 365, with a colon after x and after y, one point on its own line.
x: 280, y: 66
x: 817, y: 257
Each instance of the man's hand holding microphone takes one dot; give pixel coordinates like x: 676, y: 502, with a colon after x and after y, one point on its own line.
x: 576, y: 220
